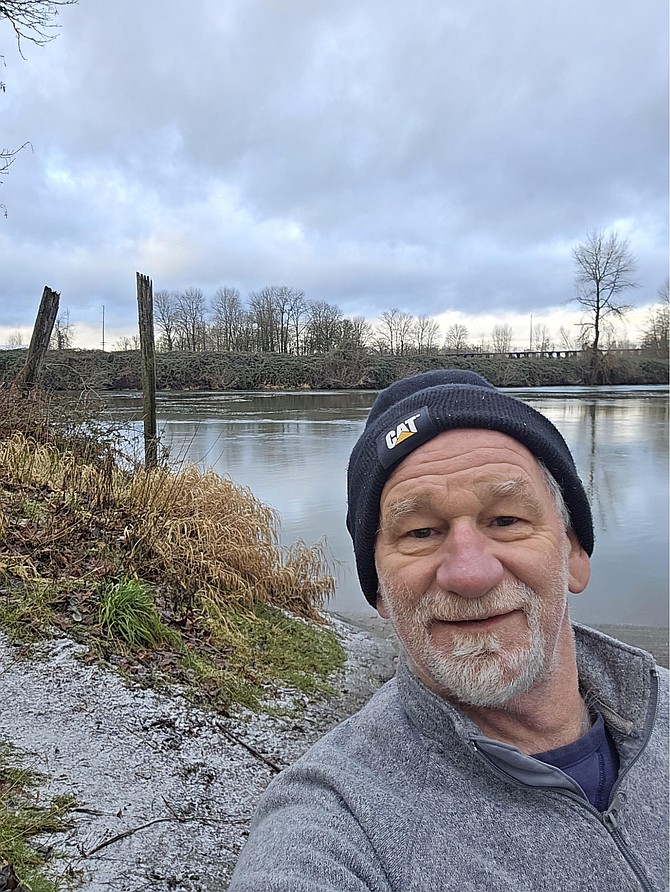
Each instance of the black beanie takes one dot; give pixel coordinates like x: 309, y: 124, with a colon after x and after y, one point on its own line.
x: 416, y: 409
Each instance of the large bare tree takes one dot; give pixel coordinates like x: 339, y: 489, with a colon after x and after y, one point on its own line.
x: 395, y: 332
x: 604, y: 270
x: 165, y: 319
x: 190, y: 322
x: 299, y: 319
x: 426, y: 334
x: 324, y: 327
x: 270, y: 311
x: 542, y: 340
x: 356, y: 332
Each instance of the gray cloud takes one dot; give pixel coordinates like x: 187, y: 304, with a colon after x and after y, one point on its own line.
x: 429, y: 156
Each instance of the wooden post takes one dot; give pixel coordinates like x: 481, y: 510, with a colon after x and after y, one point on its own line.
x: 39, y: 342
x: 145, y: 309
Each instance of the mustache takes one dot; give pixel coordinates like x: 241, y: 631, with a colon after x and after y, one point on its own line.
x: 440, y: 606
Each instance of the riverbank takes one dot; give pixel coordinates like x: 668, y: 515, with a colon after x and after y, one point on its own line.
x: 95, y: 371
x: 165, y: 791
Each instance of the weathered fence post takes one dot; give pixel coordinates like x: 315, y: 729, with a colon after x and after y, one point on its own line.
x: 145, y: 309
x: 39, y: 342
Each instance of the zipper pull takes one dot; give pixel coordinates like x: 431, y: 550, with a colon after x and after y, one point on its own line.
x: 612, y: 817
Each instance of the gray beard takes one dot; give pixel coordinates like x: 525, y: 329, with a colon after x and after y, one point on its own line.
x: 477, y: 670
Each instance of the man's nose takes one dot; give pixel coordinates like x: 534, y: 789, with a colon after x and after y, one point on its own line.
x: 468, y: 565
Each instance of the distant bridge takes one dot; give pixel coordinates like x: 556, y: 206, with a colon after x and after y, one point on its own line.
x: 536, y: 354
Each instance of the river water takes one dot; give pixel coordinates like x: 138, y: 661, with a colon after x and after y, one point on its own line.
x: 292, y: 450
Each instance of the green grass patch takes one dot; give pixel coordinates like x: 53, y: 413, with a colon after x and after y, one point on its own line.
x: 128, y: 612
x: 26, y: 611
x: 263, y: 650
x: 23, y: 818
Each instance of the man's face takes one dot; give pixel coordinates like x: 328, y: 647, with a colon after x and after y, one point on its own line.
x: 474, y: 565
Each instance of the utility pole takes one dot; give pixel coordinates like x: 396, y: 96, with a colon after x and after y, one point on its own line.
x: 531, y: 333
x: 103, y: 328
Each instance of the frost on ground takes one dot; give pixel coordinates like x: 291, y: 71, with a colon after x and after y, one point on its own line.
x: 165, y: 791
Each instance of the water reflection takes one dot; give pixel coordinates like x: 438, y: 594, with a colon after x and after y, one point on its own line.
x: 292, y: 450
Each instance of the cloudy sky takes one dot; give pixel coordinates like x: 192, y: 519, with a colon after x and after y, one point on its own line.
x: 438, y: 156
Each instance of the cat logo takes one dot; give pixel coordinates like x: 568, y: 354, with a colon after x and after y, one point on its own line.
x: 402, y: 432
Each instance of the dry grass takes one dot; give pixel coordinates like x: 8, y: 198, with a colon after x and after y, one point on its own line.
x: 208, y: 540
x: 204, y: 552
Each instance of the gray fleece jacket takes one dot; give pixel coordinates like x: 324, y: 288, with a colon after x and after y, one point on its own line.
x: 407, y: 795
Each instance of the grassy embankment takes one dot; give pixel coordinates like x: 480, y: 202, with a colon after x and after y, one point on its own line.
x: 175, y: 579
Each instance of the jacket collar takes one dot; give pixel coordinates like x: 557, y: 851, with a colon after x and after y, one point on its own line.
x: 618, y: 679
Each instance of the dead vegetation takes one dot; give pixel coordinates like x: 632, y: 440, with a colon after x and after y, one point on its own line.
x: 173, y: 577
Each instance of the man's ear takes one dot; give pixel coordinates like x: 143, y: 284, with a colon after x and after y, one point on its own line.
x: 380, y: 604
x: 579, y: 565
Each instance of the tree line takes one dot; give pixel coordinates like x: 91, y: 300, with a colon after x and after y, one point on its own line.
x: 279, y: 319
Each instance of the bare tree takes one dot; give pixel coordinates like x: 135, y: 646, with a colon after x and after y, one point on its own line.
x: 127, y: 342
x: 262, y: 318
x: 656, y: 327
x: 542, y: 342
x: 405, y: 341
x: 63, y: 332
x: 501, y: 337
x: 165, y: 318
x: 356, y: 332
x: 282, y: 297
x: 426, y: 333
x: 456, y: 339
x: 32, y: 20
x: 604, y: 270
x: 15, y: 339
x: 298, y: 318
x: 324, y: 327
x: 190, y: 322
x: 228, y: 319
x: 394, y: 331
x: 272, y: 314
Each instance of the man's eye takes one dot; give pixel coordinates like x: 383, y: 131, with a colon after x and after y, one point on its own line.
x: 505, y: 521
x: 422, y: 533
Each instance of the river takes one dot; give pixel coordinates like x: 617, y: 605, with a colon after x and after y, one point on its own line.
x: 292, y: 448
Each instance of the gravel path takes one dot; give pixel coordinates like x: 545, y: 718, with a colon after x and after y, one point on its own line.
x: 165, y: 790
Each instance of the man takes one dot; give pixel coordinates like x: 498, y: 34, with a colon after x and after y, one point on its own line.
x: 512, y: 751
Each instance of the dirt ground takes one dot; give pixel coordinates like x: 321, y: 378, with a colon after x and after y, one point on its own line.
x: 166, y: 791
